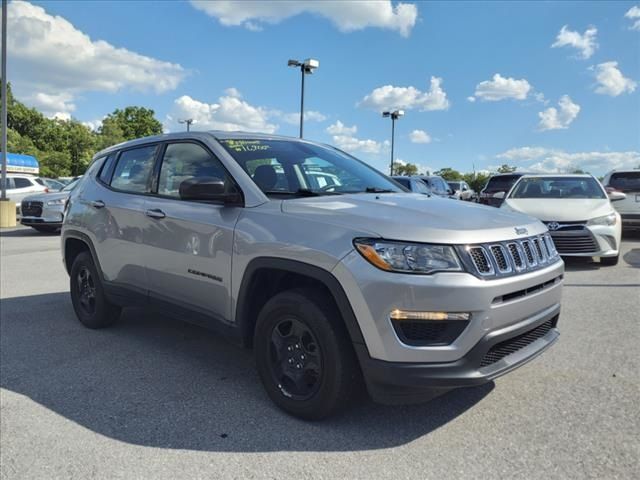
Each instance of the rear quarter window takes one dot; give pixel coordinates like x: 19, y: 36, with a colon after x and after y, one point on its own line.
x: 625, y: 181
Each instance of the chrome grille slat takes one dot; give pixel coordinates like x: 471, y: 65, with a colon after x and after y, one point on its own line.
x: 512, y: 257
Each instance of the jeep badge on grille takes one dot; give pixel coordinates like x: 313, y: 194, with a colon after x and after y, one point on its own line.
x: 521, y: 230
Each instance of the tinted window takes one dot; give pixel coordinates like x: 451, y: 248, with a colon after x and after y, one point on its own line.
x: 39, y: 181
x: 502, y: 183
x: 284, y: 167
x: 21, y: 182
x: 182, y: 161
x: 455, y: 186
x: 133, y: 169
x: 558, y: 187
x: 404, y: 181
x: 625, y: 181
x: 107, y: 169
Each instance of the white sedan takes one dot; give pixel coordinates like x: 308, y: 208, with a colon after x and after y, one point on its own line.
x: 576, y: 210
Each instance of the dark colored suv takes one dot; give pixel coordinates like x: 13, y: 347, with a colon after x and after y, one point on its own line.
x: 501, y: 183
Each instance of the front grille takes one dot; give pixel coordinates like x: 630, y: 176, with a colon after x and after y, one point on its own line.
x: 508, y: 347
x: 429, y: 332
x: 480, y: 260
x: 581, y: 243
x: 31, y: 209
x: 509, y: 258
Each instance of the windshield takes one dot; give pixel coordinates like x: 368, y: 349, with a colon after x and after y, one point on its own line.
x: 285, y: 167
x: 625, y: 181
x: 558, y: 187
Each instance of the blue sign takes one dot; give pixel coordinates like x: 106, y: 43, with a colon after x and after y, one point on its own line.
x: 18, y: 163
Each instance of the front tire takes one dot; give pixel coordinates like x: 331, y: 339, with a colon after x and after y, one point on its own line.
x: 92, y: 307
x: 609, y: 261
x: 304, y: 355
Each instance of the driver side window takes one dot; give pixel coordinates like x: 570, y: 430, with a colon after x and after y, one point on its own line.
x: 183, y: 161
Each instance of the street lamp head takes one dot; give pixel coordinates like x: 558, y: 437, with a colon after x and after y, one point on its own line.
x: 310, y: 64
x: 386, y: 114
x: 399, y: 113
x: 293, y: 63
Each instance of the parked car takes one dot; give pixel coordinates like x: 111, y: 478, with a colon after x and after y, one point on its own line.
x: 497, y: 186
x: 462, y: 191
x: 437, y: 186
x: 413, y: 184
x: 19, y: 185
x: 53, y: 185
x: 44, y: 212
x: 627, y: 182
x: 577, y: 211
x: 413, y: 292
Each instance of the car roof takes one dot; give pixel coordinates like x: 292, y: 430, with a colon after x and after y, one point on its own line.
x: 217, y: 134
x: 556, y: 175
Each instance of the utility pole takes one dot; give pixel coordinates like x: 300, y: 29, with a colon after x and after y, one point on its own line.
x: 306, y: 68
x: 3, y: 177
x: 396, y: 114
x: 188, y: 121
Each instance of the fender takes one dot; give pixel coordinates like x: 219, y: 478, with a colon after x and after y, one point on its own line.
x: 293, y: 266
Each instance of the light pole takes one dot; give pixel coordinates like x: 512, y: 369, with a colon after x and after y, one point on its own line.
x: 306, y: 68
x: 395, y: 115
x: 3, y: 175
x: 188, y: 121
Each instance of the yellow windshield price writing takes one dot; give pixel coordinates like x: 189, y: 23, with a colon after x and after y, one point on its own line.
x: 246, y: 145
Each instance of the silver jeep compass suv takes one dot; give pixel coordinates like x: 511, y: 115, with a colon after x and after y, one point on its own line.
x: 329, y: 270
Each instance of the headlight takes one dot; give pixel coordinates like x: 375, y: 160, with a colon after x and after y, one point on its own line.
x: 408, y: 257
x: 59, y: 201
x: 605, y: 220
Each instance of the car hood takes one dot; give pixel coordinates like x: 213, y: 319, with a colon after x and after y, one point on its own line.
x: 46, y: 197
x: 560, y: 209
x: 415, y: 217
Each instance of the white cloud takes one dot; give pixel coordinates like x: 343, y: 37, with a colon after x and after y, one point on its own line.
x: 501, y: 88
x: 560, y: 118
x: 547, y: 160
x: 294, y: 118
x: 471, y: 99
x: 340, y: 128
x: 419, y: 136
x: 611, y: 81
x: 346, y: 15
x: 586, y: 43
x: 53, y: 106
x: 634, y: 14
x: 388, y: 97
x: 229, y: 113
x: 39, y: 42
x: 93, y: 125
x: 343, y: 137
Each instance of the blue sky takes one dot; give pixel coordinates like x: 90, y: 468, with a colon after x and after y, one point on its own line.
x: 480, y: 82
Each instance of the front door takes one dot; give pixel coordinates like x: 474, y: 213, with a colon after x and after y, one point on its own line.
x: 190, y: 243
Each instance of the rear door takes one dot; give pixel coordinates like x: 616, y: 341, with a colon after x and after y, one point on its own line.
x: 189, y: 244
x: 118, y: 216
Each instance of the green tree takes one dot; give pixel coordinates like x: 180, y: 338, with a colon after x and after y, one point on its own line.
x: 476, y: 181
x: 506, y: 168
x: 449, y: 174
x: 55, y: 164
x: 407, y: 169
x: 134, y: 122
x: 81, y: 145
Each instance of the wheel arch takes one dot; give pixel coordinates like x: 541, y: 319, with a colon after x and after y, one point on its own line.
x: 279, y: 274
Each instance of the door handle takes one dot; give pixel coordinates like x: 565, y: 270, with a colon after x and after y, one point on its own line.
x: 97, y: 204
x: 155, y: 213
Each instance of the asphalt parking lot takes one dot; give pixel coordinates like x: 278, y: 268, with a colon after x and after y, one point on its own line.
x: 156, y: 398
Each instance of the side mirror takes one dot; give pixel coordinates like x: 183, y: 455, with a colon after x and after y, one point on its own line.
x: 616, y: 196
x: 211, y: 189
x: 499, y: 195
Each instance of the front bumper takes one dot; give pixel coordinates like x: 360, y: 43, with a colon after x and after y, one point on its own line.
x: 589, y: 241
x: 496, y: 354
x: 51, y: 217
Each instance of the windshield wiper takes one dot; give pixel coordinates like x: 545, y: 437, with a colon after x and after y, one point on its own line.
x: 378, y: 190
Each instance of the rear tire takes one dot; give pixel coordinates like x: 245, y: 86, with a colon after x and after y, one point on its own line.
x: 304, y: 354
x: 609, y: 261
x: 92, y: 307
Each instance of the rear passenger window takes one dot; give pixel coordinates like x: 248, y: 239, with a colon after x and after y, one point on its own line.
x: 21, y: 182
x: 183, y: 161
x: 133, y: 169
